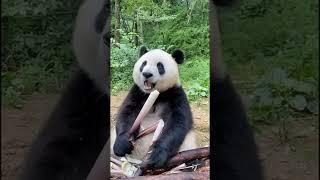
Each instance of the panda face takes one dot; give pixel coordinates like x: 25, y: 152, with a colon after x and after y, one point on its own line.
x: 91, y: 41
x: 156, y: 70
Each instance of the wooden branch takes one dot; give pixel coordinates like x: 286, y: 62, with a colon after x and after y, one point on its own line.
x: 182, y: 175
x: 189, y: 155
x: 148, y: 130
x: 180, y: 158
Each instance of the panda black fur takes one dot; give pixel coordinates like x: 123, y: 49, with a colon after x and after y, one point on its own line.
x: 76, y: 131
x: 158, y: 70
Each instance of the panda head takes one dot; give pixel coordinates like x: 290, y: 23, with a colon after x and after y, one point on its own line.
x: 91, y: 43
x: 157, y: 69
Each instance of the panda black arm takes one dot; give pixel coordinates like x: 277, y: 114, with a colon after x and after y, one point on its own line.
x: 127, y: 114
x: 129, y: 110
x: 178, y: 122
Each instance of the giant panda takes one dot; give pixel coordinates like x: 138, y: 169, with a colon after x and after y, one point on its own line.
x: 155, y: 70
x: 76, y: 131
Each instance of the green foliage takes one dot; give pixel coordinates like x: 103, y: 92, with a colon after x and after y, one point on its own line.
x: 277, y: 89
x: 194, y: 75
x: 165, y: 25
x: 123, y: 59
x: 34, y: 7
x: 252, y: 9
x: 276, y: 42
x: 193, y: 40
x: 192, y: 36
x: 285, y: 34
x: 36, y: 50
x: 277, y: 97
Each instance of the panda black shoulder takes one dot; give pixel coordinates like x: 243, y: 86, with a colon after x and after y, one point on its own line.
x: 135, y: 97
x: 177, y: 99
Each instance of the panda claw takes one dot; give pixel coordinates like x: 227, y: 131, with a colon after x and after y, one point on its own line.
x: 122, y: 146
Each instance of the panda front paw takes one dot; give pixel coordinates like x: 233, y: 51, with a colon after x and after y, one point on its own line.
x: 159, y: 157
x: 122, y: 146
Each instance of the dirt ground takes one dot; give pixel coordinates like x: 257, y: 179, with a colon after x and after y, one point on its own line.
x: 18, y: 128
x: 296, y: 160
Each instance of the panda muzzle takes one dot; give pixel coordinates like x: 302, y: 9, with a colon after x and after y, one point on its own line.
x: 148, y: 85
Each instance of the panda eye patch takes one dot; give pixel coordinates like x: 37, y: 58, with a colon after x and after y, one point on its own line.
x: 160, y: 68
x: 143, y: 65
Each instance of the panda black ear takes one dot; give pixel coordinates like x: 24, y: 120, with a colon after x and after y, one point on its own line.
x: 143, y: 50
x: 178, y: 55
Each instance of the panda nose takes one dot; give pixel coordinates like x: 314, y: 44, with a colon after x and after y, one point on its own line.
x: 147, y: 75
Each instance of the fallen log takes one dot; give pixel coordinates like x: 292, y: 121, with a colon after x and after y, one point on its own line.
x: 190, y: 156
x: 180, y: 158
x: 182, y: 175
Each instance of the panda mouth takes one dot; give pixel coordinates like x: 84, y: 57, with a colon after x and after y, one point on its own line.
x: 148, y: 85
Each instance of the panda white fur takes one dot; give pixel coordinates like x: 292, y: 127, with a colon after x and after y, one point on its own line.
x: 155, y: 70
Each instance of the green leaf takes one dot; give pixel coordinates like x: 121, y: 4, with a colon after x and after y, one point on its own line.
x: 203, y: 94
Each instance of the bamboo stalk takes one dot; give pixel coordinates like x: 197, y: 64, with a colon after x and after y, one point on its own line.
x: 144, y: 111
x: 116, y: 161
x: 114, y: 166
x: 158, y: 131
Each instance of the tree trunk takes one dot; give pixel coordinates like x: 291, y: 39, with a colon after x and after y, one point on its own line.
x: 141, y: 31
x: 192, y: 5
x: 135, y: 26
x: 117, y: 11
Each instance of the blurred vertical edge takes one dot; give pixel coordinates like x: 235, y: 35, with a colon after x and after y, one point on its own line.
x: 101, y: 169
x: 233, y: 150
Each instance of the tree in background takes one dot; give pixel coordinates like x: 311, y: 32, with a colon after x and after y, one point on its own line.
x: 117, y: 12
